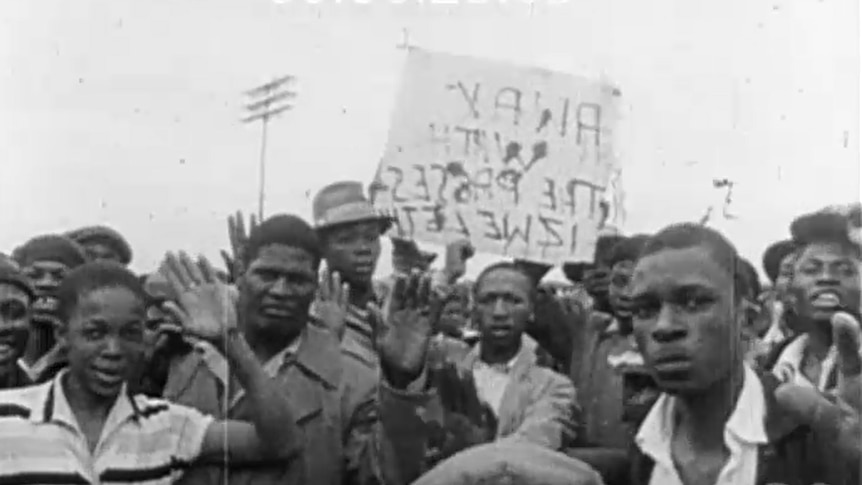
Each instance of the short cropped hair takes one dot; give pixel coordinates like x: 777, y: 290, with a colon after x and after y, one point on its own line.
x: 508, y: 266
x: 287, y: 230
x: 94, y: 276
x: 688, y: 235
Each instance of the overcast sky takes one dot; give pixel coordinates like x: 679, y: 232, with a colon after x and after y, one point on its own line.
x: 127, y: 112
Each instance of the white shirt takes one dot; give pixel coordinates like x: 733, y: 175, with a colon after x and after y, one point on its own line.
x: 788, y: 367
x: 492, y: 380
x: 743, y: 434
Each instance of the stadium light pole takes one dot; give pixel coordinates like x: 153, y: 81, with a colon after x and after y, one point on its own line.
x: 264, y: 103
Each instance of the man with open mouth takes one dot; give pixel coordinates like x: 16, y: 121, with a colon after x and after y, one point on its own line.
x: 45, y: 261
x: 825, y: 281
x: 16, y: 296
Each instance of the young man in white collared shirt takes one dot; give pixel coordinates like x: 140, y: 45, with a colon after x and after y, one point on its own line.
x: 86, y: 426
x: 717, y: 421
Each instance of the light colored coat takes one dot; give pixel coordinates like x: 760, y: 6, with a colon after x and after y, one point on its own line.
x: 538, y: 404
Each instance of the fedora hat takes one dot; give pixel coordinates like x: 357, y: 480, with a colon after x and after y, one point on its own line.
x: 345, y: 203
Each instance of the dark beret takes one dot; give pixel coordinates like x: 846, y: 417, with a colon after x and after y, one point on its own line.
x: 105, y: 235
x: 51, y: 247
x: 821, y: 226
x: 288, y: 230
x: 774, y: 255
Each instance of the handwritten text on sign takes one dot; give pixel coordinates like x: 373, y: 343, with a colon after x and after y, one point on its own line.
x: 517, y: 160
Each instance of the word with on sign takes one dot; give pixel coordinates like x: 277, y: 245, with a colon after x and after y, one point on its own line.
x: 518, y: 160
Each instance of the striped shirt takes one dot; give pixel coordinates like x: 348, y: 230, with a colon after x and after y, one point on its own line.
x: 143, y: 440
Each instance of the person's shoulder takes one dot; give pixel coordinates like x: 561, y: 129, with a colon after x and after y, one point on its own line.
x: 21, y: 402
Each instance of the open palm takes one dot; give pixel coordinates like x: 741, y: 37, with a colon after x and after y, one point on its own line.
x: 210, y: 311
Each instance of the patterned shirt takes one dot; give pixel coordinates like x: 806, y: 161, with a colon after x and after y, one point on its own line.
x: 143, y: 440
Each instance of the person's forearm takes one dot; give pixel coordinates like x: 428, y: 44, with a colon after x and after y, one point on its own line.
x: 270, y: 406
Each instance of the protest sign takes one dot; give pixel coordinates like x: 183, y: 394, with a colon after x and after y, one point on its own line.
x: 519, y: 160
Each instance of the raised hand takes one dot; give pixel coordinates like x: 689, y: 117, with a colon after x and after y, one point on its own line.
x: 235, y: 261
x: 403, y: 329
x: 209, y: 311
x: 333, y: 300
x: 467, y: 421
x: 835, y: 415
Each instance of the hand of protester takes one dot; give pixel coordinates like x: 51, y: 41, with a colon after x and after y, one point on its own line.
x: 467, y: 421
x: 207, y: 303
x: 238, y: 241
x: 403, y: 328
x: 835, y: 416
x: 333, y: 299
x: 457, y: 254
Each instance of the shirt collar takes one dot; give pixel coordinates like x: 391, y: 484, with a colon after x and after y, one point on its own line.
x: 788, y: 367
x: 746, y: 424
x: 54, y: 407
x: 527, y: 353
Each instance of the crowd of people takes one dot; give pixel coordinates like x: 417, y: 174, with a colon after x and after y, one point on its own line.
x: 664, y: 361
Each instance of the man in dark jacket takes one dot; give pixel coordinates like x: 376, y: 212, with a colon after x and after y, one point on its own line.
x: 718, y: 421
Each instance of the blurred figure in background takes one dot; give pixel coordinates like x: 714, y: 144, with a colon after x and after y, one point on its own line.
x: 102, y: 243
x: 16, y: 298
x: 778, y: 262
x: 45, y: 261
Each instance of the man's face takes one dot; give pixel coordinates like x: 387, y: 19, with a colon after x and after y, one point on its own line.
x: 46, y: 277
x: 826, y: 280
x: 277, y: 290
x: 618, y: 291
x: 685, y: 321
x: 14, y: 323
x: 99, y: 251
x: 503, y: 307
x: 105, y: 339
x: 353, y: 250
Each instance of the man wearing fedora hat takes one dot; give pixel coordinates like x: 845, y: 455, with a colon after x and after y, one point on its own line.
x: 350, y: 229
